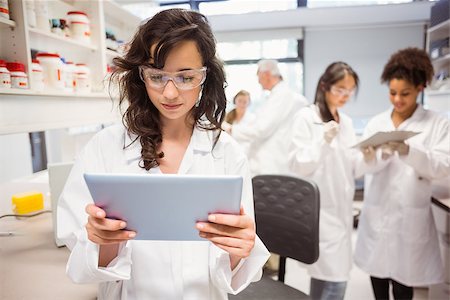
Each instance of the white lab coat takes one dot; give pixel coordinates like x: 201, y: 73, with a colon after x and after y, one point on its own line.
x: 396, y: 234
x: 333, y: 168
x: 269, y: 134
x: 155, y: 269
x: 247, y: 120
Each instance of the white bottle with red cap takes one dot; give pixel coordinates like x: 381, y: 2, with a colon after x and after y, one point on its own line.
x: 4, y: 9
x: 53, y: 70
x: 19, y: 79
x: 82, y: 78
x: 79, y: 26
x: 37, y: 76
x: 5, y: 75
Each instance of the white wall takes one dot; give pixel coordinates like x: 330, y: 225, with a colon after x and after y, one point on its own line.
x: 367, y: 50
x: 15, y: 156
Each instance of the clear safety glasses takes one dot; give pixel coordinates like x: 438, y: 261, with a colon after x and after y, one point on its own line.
x: 183, y: 80
x: 341, y: 92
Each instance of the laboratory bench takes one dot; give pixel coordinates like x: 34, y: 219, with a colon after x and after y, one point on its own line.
x: 32, y: 267
x: 441, y: 213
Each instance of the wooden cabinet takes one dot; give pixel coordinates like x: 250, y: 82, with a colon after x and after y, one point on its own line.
x: 29, y: 110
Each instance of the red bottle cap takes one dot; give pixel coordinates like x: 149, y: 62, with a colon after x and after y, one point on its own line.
x: 15, y: 67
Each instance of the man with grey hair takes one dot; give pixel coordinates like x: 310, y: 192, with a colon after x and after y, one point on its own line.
x: 268, y: 135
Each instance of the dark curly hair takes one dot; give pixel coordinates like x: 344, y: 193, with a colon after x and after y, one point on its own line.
x: 333, y: 73
x: 166, y: 30
x: 410, y: 64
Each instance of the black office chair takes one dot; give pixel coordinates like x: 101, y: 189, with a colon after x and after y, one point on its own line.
x: 287, y: 221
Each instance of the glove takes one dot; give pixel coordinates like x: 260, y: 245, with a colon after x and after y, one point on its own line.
x: 330, y: 130
x: 369, y: 154
x: 386, y: 151
x: 401, y: 147
x: 226, y: 127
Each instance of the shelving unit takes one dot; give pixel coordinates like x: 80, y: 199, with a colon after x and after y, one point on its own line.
x: 51, y: 38
x: 439, y: 100
x: 28, y: 110
x: 7, y: 23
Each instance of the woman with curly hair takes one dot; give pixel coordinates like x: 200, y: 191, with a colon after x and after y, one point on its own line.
x: 173, y: 85
x: 397, y: 240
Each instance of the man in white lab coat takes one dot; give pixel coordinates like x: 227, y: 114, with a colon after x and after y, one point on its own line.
x: 268, y: 135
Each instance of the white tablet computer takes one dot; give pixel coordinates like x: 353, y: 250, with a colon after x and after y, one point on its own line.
x: 165, y: 207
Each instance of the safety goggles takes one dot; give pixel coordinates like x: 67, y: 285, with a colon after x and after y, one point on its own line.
x: 341, y: 92
x: 183, y: 80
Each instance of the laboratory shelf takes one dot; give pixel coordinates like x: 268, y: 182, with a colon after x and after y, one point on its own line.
x: 49, y: 37
x: 29, y: 110
x: 7, y: 23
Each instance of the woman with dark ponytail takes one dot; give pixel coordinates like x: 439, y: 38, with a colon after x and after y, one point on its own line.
x: 321, y: 151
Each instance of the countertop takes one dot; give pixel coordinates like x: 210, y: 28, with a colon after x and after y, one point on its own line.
x: 32, y: 267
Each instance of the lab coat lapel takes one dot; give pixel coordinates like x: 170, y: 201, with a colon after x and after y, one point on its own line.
x: 200, y: 144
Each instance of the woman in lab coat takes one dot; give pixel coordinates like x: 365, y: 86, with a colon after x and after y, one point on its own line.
x: 174, y: 87
x: 240, y: 114
x: 320, y: 151
x: 397, y: 241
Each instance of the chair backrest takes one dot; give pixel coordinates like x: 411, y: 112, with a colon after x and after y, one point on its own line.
x: 287, y: 216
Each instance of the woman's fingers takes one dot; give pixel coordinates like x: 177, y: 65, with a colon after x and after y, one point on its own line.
x: 102, y: 230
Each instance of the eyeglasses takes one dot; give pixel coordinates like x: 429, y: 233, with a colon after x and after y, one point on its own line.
x: 183, y: 80
x: 341, y: 92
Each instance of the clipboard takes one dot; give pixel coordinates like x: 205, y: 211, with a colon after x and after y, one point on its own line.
x: 382, y: 137
x: 165, y: 207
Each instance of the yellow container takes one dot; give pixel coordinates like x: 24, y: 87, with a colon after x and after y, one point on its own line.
x: 28, y: 202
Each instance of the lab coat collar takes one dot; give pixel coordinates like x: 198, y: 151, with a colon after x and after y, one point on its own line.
x: 316, y: 117
x: 278, y: 87
x: 417, y: 115
x: 201, y: 140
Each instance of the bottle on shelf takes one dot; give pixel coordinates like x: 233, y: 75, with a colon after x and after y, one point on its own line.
x: 79, y: 26
x: 42, y: 19
x: 37, y: 76
x: 4, y: 9
x: 31, y: 14
x: 5, y: 75
x: 53, y: 70
x: 19, y: 79
x: 82, y: 79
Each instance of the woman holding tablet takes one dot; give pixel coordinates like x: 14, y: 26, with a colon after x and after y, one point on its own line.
x: 173, y: 85
x: 397, y: 239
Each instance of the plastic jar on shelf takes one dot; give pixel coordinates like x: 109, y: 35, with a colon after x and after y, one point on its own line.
x: 82, y: 78
x: 31, y: 14
x: 69, y: 76
x: 37, y: 76
x: 19, y: 79
x: 53, y: 70
x: 4, y: 9
x: 5, y: 75
x: 79, y: 26
x: 41, y: 11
